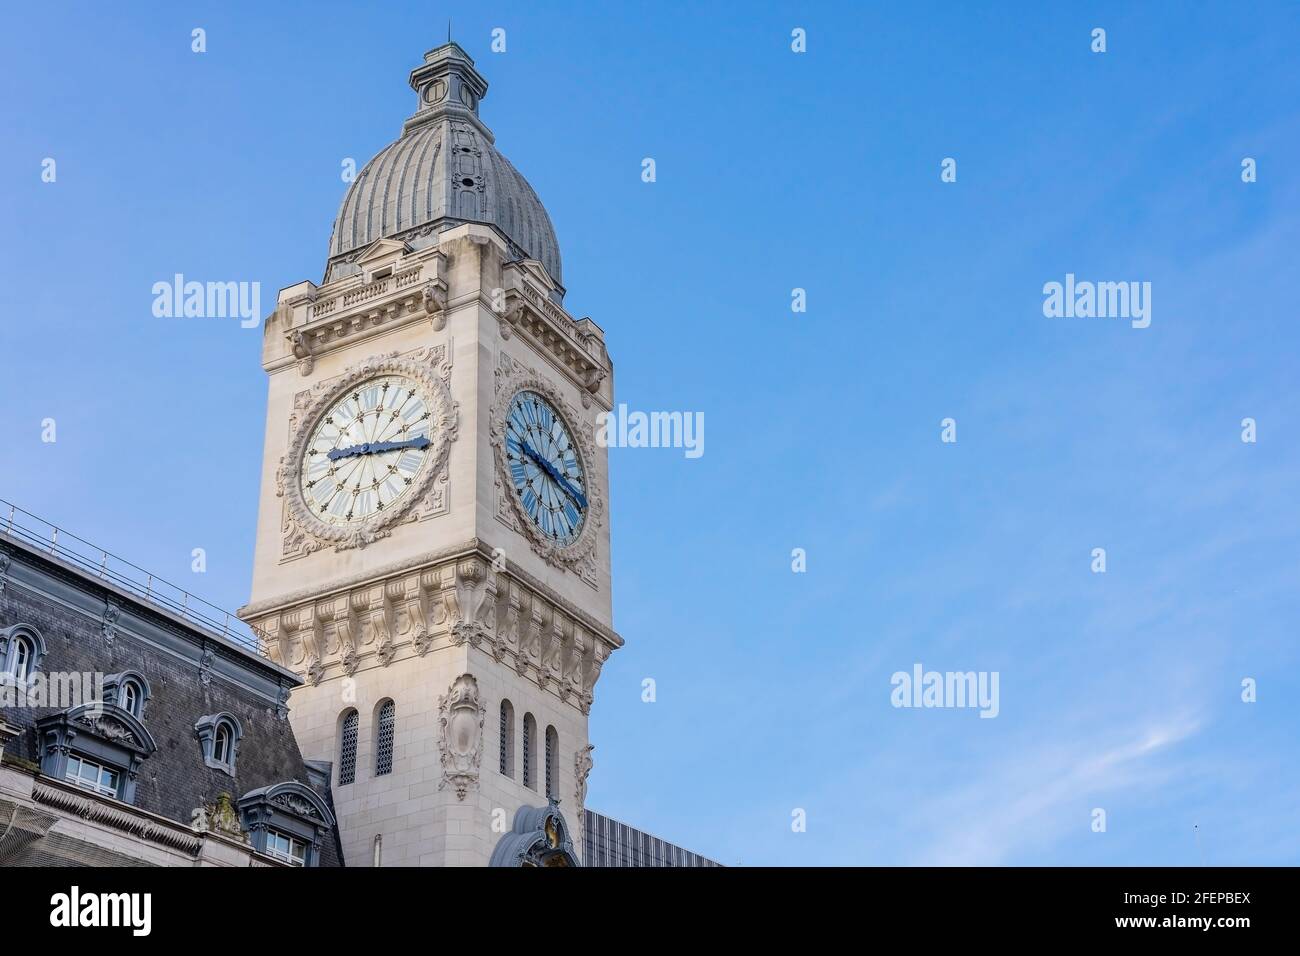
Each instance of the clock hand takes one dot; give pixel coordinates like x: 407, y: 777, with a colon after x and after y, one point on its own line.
x: 376, y: 448
x: 555, y: 476
x: 574, y: 493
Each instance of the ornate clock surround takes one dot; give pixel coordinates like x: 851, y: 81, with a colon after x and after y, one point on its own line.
x: 432, y: 371
x: 511, y: 379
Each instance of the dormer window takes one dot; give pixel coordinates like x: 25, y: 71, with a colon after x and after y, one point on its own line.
x: 287, y: 821
x: 128, y: 690
x: 219, y: 736
x: 96, y: 746
x: 21, y: 651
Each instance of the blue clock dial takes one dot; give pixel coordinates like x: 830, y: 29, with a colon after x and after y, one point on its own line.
x: 546, y: 468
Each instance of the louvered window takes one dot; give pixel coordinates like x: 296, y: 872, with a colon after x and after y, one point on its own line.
x: 348, y: 749
x: 384, y: 739
x: 552, y: 763
x: 530, y: 731
x: 506, y: 762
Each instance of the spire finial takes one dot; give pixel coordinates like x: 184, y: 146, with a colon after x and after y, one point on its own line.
x: 449, y: 29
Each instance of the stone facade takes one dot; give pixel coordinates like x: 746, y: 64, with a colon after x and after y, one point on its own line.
x: 451, y: 602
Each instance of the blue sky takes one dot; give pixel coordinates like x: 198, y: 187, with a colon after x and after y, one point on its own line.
x: 775, y: 170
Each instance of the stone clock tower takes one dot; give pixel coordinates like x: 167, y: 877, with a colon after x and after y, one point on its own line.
x: 433, y: 537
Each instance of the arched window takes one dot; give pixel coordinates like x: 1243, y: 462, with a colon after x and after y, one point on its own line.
x: 530, y: 734
x: 507, y: 761
x: 131, y: 698
x: 350, y: 725
x: 128, y: 690
x: 552, y: 763
x: 221, y: 744
x: 384, y: 728
x: 20, y: 658
x: 218, y: 735
x: 21, y: 651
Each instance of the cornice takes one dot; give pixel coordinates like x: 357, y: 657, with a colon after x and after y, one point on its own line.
x: 472, y: 547
x: 118, y: 611
x: 119, y: 816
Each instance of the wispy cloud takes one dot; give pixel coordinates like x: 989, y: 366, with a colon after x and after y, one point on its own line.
x: 1023, y: 806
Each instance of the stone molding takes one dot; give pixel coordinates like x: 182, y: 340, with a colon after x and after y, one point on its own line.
x: 528, y: 311
x: 474, y: 547
x: 462, y: 601
x: 352, y: 309
x: 98, y: 810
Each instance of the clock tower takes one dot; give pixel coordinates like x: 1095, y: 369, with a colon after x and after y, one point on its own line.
x: 433, y: 538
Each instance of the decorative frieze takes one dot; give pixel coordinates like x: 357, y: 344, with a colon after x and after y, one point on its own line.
x: 459, y: 602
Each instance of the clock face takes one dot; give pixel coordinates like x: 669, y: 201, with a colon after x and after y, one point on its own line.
x: 546, y: 468
x: 367, y: 450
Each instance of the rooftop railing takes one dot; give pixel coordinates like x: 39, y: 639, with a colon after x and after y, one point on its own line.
x: 40, y: 535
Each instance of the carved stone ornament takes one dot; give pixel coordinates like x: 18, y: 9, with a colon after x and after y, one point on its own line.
x: 107, y: 728
x: 206, y: 660
x: 218, y: 817
x: 582, y: 764
x: 282, y: 703
x: 511, y: 379
x: 434, y: 299
x: 429, y: 369
x: 109, y: 624
x: 460, y: 736
x: 296, y: 805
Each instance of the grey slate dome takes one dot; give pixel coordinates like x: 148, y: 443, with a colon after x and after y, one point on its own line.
x: 443, y: 171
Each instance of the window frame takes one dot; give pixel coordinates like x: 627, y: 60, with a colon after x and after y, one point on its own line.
x: 116, y: 686
x: 348, y: 761
x: 78, y: 780
x: 209, y: 729
x: 100, y: 733
x: 290, y: 810
x: 289, y: 857
x: 551, y: 763
x: 389, y: 705
x: 506, y: 740
x: 11, y: 639
x: 529, y: 738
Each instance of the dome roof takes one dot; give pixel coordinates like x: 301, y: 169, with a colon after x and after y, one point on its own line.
x: 444, y: 170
